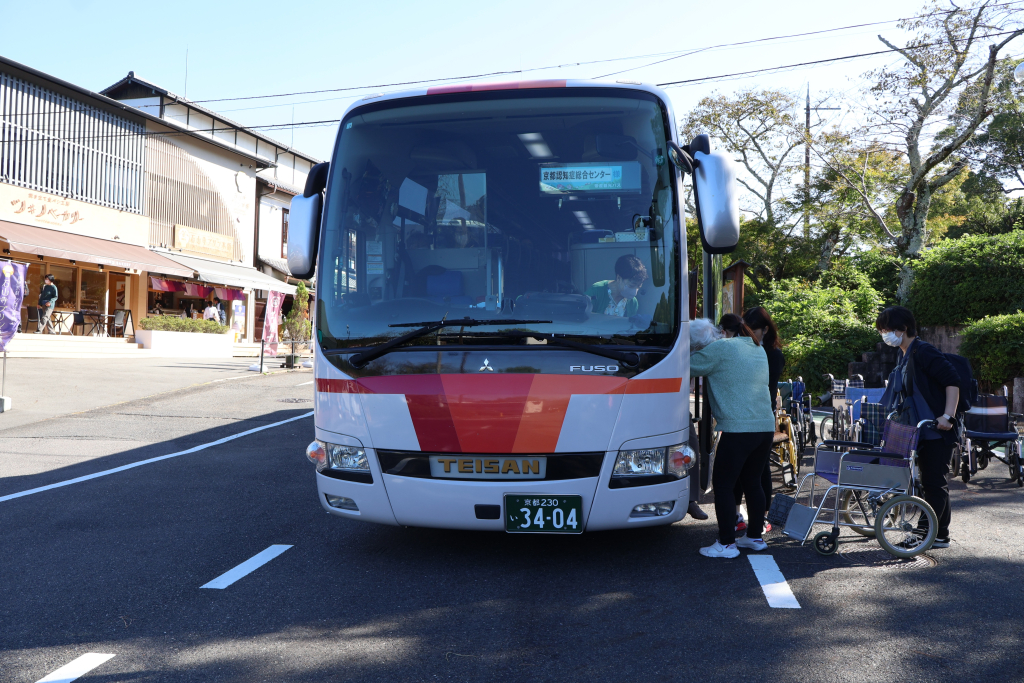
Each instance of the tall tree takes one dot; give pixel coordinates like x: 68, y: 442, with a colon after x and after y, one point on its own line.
x: 951, y: 49
x: 997, y: 151
x: 762, y: 130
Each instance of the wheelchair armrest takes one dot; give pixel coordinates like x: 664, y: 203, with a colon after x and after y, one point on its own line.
x: 845, y: 444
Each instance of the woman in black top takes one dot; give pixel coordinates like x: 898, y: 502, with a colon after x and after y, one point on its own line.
x: 767, y: 333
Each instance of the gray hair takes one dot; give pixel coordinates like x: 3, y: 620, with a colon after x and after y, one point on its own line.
x: 702, y: 333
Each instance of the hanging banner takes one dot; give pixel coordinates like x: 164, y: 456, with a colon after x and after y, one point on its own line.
x: 12, y: 291
x: 271, y: 319
x: 192, y: 289
x: 228, y: 294
x: 161, y: 285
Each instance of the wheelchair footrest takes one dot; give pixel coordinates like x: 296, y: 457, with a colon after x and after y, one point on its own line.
x: 799, y: 521
x: 779, y: 510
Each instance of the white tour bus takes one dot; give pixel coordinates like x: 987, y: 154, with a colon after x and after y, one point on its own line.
x: 480, y: 362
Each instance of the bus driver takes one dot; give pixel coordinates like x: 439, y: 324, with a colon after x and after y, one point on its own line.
x: 618, y: 297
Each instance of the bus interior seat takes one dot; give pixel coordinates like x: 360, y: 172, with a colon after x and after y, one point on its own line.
x: 447, y: 287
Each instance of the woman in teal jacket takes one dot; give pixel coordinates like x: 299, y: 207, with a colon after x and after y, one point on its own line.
x: 737, y: 372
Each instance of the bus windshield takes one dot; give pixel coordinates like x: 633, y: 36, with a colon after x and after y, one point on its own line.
x: 559, y: 210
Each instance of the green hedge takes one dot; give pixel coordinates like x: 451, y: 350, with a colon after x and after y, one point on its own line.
x: 966, y: 279
x: 995, y: 347
x: 170, y: 323
x: 823, y: 328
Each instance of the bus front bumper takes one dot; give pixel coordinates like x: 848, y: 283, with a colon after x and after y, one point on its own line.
x: 451, y: 504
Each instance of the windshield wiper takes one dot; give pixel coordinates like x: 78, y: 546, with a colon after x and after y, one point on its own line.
x: 628, y: 358
x: 361, y: 359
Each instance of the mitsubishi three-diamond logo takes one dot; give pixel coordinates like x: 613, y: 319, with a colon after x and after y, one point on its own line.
x: 486, y: 367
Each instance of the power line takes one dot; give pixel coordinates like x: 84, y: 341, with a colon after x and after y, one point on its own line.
x: 676, y: 54
x: 737, y: 74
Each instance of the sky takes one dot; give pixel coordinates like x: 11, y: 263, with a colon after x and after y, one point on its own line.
x: 245, y: 49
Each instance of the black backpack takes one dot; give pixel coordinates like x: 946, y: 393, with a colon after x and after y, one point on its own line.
x: 968, y: 387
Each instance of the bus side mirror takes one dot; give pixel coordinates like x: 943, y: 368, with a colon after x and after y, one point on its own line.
x: 304, y: 224
x: 718, y: 211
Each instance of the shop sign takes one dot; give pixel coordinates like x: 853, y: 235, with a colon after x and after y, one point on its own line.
x: 202, y: 242
x: 46, y: 209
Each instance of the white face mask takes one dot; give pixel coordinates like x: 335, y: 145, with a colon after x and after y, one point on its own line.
x: 891, y: 338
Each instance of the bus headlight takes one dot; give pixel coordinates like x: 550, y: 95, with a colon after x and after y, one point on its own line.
x: 349, y: 458
x: 674, y: 461
x: 642, y: 462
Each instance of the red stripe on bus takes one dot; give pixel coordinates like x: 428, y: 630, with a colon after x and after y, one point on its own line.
x: 492, y: 413
x: 482, y: 87
x: 669, y: 385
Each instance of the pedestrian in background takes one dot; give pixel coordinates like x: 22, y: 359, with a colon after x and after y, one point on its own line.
x: 737, y: 370
x: 767, y: 333
x: 222, y: 315
x: 47, y: 301
x: 211, y: 312
x: 925, y: 384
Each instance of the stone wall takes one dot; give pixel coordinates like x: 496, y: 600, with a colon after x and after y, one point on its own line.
x: 875, y: 366
x: 945, y: 338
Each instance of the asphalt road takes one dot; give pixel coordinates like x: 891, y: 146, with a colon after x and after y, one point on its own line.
x: 115, y: 565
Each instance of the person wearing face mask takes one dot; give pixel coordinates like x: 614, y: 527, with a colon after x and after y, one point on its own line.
x: 925, y: 384
x: 737, y: 372
x: 618, y: 297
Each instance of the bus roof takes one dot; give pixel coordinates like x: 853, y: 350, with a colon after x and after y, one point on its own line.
x: 513, y: 85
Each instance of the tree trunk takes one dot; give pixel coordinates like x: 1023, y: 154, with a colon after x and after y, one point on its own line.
x: 828, y: 246
x: 913, y: 214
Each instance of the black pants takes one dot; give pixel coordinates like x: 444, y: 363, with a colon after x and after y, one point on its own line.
x: 741, y: 457
x: 933, y: 461
x: 766, y: 485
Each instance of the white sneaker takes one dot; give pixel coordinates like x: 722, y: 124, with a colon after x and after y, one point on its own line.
x: 755, y: 544
x: 716, y: 549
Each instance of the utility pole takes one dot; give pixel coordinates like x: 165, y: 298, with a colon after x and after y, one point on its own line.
x: 807, y: 159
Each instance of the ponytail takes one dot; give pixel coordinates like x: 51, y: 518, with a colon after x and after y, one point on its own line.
x: 731, y: 322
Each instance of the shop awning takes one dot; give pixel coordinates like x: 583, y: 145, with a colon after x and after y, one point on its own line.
x: 65, y: 245
x: 231, y: 274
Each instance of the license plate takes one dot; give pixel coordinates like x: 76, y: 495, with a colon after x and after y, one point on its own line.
x: 543, y: 514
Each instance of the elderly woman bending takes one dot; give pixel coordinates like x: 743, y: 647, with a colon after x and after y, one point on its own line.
x: 737, y: 372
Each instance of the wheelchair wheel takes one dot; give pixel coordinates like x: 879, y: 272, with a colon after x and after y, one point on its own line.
x: 897, y: 522
x: 983, y: 457
x: 965, y: 472
x: 1014, y: 461
x: 825, y: 543
x: 854, y: 506
x: 826, y: 428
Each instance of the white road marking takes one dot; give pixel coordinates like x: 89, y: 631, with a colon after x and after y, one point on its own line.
x: 247, y: 567
x: 76, y: 669
x: 140, y: 463
x: 305, y: 383
x: 773, y: 583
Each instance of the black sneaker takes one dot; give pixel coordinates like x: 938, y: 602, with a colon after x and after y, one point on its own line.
x: 911, y: 542
x: 941, y: 542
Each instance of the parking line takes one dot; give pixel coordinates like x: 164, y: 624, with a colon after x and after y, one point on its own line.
x: 773, y: 583
x: 76, y: 668
x: 140, y: 463
x: 247, y: 567
x: 304, y: 383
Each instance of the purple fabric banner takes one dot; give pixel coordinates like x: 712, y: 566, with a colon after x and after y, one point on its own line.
x: 12, y: 291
